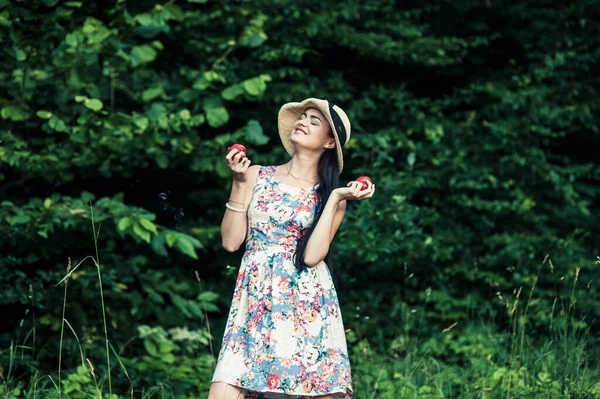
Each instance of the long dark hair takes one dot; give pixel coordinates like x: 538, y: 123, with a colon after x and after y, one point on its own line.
x: 329, y: 180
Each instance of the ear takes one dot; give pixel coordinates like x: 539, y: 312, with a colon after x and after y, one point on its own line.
x: 330, y: 144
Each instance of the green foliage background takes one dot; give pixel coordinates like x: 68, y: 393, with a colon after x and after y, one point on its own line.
x: 478, y: 121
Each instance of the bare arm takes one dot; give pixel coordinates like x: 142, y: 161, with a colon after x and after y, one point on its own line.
x: 331, y: 218
x: 234, y: 226
x: 328, y: 224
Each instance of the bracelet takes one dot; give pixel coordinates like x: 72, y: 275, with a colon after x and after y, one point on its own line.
x: 234, y: 209
x: 237, y: 202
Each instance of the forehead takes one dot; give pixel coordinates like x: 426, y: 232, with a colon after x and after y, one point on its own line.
x: 315, y: 112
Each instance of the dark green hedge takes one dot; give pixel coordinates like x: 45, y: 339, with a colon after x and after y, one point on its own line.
x: 476, y: 119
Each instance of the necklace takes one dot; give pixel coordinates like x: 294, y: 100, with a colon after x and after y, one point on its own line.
x: 298, y: 178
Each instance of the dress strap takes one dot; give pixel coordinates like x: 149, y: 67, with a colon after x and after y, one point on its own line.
x: 265, y: 172
x: 264, y: 176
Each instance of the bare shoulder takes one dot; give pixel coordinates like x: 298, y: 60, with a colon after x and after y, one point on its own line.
x: 253, y: 173
x: 254, y: 168
x: 251, y: 176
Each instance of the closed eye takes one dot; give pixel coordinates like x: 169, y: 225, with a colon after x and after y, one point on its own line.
x: 311, y: 116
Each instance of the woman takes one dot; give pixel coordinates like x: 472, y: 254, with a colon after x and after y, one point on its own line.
x: 284, y: 336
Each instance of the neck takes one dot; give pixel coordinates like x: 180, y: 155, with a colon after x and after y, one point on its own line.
x: 303, y: 167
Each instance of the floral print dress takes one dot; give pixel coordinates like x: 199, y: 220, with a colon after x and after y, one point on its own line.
x: 284, y: 335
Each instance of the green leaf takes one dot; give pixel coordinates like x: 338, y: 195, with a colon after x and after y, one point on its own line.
x: 253, y: 40
x: 57, y: 124
x: 13, y: 113
x: 195, y: 242
x: 21, y: 55
x: 142, y: 54
x: 232, y: 92
x: 19, y: 219
x: 141, y: 232
x: 410, y: 159
x: 185, y: 114
x: 152, y: 93
x: 254, y: 133
x: 197, y: 120
x: 71, y: 39
x: 95, y: 31
x: 158, y: 245
x: 212, y: 102
x: 208, y: 296
x: 157, y: 112
x: 201, y: 83
x: 153, y: 295
x: 168, y: 358
x: 5, y: 22
x: 124, y: 223
x: 162, y: 160
x: 148, y: 225
x: 217, y: 117
x: 44, y: 114
x: 94, y: 104
x: 150, y: 347
x: 255, y: 87
x: 175, y: 11
x: 185, y: 145
x: 149, y: 32
x: 210, y: 307
x: 212, y: 76
x: 171, y: 237
x: 141, y: 122
x: 38, y: 74
x: 165, y: 347
x: 186, y: 247
x: 145, y: 19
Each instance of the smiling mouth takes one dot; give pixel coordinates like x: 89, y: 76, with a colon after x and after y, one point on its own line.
x: 300, y: 130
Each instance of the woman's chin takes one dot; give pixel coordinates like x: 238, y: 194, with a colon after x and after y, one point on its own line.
x: 296, y: 139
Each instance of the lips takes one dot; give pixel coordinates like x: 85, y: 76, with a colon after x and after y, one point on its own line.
x: 299, y: 130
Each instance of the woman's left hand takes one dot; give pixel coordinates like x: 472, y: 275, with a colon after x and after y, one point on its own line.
x: 353, y: 191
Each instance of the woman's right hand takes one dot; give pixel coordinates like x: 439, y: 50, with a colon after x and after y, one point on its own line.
x: 238, y: 165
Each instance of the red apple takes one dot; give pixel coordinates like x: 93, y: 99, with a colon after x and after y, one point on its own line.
x: 363, y: 180
x: 237, y: 147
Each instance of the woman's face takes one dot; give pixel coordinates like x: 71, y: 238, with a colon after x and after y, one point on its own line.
x: 312, y: 131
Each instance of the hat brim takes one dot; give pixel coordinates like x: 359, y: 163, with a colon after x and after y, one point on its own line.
x: 288, y: 116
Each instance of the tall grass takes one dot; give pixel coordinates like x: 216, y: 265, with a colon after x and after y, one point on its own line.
x: 478, y: 360
x: 12, y: 387
x: 65, y: 279
x: 212, y: 352
x: 463, y: 360
x: 97, y: 263
x: 62, y: 328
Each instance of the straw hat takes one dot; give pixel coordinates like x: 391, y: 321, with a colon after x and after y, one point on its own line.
x: 337, y: 118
